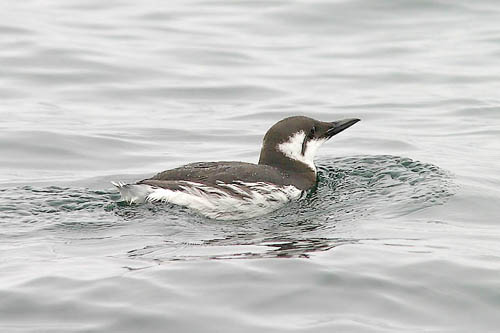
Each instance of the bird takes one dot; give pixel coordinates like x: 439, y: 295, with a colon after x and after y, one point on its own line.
x: 230, y: 190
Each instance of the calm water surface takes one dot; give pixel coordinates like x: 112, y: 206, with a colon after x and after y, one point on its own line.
x: 401, y: 235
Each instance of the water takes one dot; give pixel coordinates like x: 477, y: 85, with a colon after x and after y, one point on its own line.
x: 401, y: 234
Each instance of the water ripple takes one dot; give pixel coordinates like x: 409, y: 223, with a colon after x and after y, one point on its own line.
x: 350, y: 189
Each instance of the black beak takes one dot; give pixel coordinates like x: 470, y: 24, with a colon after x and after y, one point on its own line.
x: 339, y: 126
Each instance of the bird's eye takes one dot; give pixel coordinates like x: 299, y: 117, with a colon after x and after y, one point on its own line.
x: 313, y: 131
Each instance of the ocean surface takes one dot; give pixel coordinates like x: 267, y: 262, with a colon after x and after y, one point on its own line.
x: 402, y: 233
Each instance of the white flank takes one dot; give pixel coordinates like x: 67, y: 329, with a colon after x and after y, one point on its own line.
x: 293, y: 149
x: 133, y: 193
x: 256, y: 198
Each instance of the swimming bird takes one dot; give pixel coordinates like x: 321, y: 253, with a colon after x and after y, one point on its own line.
x: 239, y: 190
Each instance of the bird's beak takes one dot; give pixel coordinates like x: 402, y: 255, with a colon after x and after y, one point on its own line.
x: 339, y: 126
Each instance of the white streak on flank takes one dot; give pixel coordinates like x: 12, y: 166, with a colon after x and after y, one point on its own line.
x: 133, y: 193
x: 293, y: 149
x: 256, y: 198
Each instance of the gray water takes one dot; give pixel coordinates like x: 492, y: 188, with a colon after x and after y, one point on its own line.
x: 401, y: 235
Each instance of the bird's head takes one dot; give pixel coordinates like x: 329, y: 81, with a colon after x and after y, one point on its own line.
x: 292, y: 142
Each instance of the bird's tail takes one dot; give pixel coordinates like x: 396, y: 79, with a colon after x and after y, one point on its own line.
x: 133, y: 193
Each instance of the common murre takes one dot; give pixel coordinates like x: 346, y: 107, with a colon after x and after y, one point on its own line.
x: 238, y: 190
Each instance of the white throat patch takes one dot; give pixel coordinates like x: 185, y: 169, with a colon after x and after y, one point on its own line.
x: 293, y: 149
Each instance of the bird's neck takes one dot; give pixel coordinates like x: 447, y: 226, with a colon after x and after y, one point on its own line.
x: 293, y: 167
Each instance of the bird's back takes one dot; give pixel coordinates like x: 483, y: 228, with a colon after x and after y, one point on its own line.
x: 214, y: 173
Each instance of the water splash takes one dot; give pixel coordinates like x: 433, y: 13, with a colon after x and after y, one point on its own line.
x: 349, y: 191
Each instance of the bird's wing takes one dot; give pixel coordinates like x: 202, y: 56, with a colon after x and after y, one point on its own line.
x: 212, y: 173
